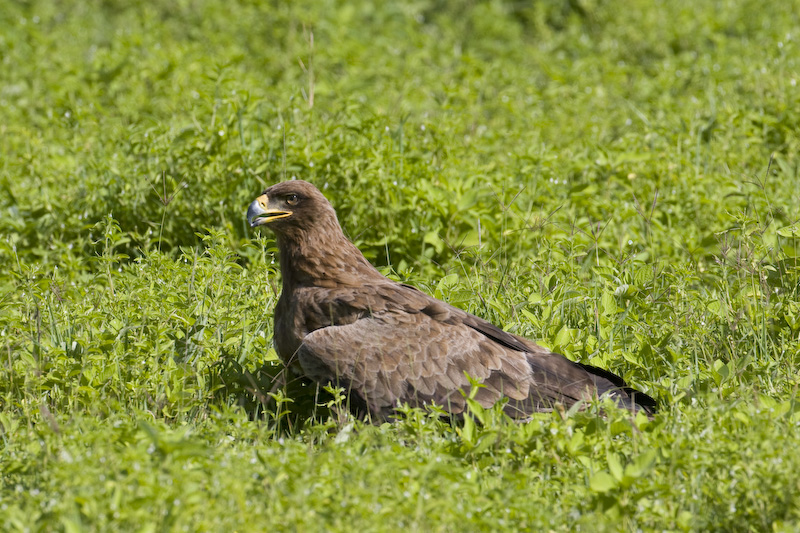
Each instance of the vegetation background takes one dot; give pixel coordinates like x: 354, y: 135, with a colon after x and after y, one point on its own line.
x: 618, y: 180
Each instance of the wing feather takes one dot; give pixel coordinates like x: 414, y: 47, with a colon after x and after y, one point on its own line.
x: 394, y: 344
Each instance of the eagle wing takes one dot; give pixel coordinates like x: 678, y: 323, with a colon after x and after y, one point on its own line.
x: 403, y: 346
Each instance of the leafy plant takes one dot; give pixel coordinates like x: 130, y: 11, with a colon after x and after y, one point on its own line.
x: 618, y: 183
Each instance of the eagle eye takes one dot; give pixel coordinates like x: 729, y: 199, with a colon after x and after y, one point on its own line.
x: 291, y: 199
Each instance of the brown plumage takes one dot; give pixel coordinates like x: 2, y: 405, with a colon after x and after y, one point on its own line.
x: 340, y: 321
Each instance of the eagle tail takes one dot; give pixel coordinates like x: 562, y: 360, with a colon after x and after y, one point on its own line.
x: 554, y: 379
x: 627, y: 397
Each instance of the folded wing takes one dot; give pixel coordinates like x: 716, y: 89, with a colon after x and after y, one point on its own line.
x: 411, y: 348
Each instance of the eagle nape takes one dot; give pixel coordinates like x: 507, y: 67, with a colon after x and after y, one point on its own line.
x: 339, y: 321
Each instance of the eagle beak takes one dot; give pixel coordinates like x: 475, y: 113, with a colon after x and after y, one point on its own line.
x: 259, y: 212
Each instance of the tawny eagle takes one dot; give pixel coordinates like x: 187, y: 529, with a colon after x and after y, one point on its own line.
x: 339, y: 321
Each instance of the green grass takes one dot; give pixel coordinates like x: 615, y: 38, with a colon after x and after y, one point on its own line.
x: 616, y: 180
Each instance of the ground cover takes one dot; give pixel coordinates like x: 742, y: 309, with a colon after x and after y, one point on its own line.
x: 616, y: 180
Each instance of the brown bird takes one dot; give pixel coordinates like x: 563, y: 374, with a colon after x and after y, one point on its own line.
x: 339, y: 321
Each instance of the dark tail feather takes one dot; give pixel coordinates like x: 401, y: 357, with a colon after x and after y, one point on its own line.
x: 633, y: 399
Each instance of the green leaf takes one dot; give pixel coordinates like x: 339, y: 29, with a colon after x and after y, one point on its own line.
x: 468, y: 431
x: 792, y: 231
x: 602, y: 482
x: 564, y: 336
x: 486, y: 441
x: 477, y: 409
x: 608, y: 303
x: 614, y: 466
x: 640, y: 465
x: 721, y: 371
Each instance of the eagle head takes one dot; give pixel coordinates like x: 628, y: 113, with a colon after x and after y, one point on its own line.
x: 290, y: 205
